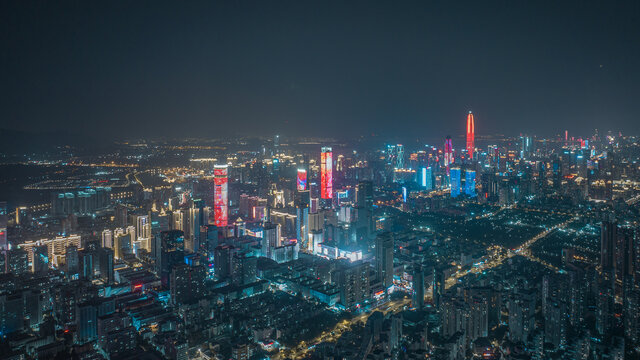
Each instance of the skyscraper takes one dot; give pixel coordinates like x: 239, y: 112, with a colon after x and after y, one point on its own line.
x: 470, y: 183
x: 384, y: 258
x: 302, y: 180
x: 3, y: 226
x: 455, y: 182
x: 471, y: 130
x: 608, y: 239
x: 448, y: 152
x: 221, y: 200
x: 326, y: 173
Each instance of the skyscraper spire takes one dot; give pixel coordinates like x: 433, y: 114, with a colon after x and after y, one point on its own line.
x: 471, y: 129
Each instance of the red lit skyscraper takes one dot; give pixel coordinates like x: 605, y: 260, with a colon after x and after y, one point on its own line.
x: 221, y: 199
x: 326, y: 173
x: 471, y: 129
x: 448, y: 153
x: 302, y: 180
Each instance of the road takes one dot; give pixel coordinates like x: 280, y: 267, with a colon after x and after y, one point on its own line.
x: 499, y: 257
x: 332, y: 335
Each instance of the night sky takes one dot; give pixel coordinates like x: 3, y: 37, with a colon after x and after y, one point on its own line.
x: 396, y: 68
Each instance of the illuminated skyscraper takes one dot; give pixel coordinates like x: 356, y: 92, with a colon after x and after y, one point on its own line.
x: 302, y: 180
x: 221, y: 199
x: 470, y: 183
x: 448, y: 153
x: 4, y: 245
x: 326, y: 173
x: 471, y: 130
x: 427, y: 178
x: 455, y: 182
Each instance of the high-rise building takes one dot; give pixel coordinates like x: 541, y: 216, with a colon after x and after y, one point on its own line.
x: 437, y: 286
x: 426, y: 178
x: 470, y: 183
x: 4, y: 245
x: 471, y: 130
x: 608, y: 239
x: 399, y: 156
x: 326, y: 173
x: 418, y: 287
x: 384, y: 258
x: 170, y: 252
x: 448, y: 153
x: 107, y: 239
x: 455, y: 182
x: 221, y: 197
x: 352, y: 279
x: 301, y: 183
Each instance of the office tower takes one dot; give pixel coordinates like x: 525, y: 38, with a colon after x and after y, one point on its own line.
x: 221, y: 199
x: 455, y: 182
x: 171, y: 252
x: 72, y: 262
x: 87, y: 317
x: 326, y: 173
x: 121, y: 216
x: 270, y: 239
x: 301, y: 202
x: 192, y: 228
x: 470, y: 183
x: 448, y: 153
x: 105, y: 265
x: 301, y: 184
x: 399, y: 156
x: 608, y: 240
x: 384, y: 259
x: 418, y: 287
x: 438, y: 286
x: 4, y: 244
x: 428, y: 178
x: 86, y: 264
x: 224, y: 261
x: 364, y: 209
x: 471, y: 130
x: 40, y: 261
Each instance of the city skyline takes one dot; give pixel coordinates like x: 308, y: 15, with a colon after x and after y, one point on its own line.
x: 322, y: 180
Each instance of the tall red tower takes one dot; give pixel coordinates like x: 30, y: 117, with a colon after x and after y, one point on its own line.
x: 326, y: 173
x: 448, y: 153
x: 221, y: 197
x: 471, y: 130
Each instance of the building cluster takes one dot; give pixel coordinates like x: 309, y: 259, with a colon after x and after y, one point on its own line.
x: 292, y: 250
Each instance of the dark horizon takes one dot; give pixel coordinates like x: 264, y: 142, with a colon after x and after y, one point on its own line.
x: 157, y: 69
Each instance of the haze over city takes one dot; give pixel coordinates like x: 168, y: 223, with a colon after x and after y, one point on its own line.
x: 322, y: 180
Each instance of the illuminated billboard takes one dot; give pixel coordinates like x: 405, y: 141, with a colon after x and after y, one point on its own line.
x: 302, y: 180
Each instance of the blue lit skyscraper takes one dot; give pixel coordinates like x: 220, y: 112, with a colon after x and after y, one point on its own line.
x: 427, y: 178
x: 455, y: 182
x: 470, y: 183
